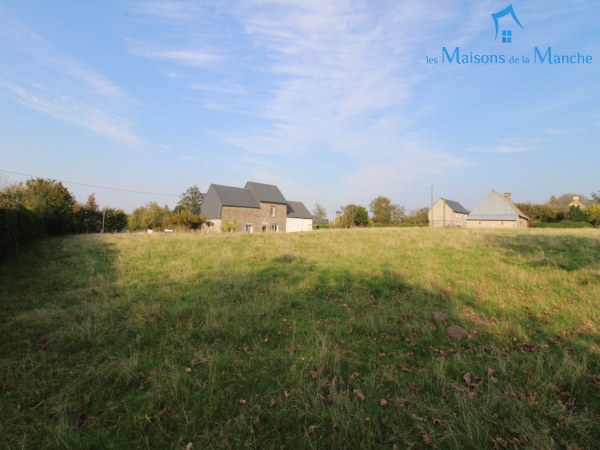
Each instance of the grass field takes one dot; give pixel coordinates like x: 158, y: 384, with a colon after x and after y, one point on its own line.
x: 318, y: 340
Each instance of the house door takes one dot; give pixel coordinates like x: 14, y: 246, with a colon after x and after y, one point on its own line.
x: 264, y: 228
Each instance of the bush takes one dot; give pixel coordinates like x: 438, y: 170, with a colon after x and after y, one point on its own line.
x: 18, y: 225
x: 230, y: 225
x: 592, y: 215
x: 576, y: 214
x: 185, y: 220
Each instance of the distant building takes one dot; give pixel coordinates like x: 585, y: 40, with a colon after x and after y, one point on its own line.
x: 448, y: 213
x: 323, y: 221
x: 257, y: 208
x: 577, y: 203
x: 497, y: 211
x: 298, y: 218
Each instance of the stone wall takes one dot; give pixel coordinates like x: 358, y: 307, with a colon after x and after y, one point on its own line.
x: 256, y: 217
x: 215, y: 228
x: 521, y: 223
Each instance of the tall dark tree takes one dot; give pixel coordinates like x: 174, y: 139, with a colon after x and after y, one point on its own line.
x: 191, y: 201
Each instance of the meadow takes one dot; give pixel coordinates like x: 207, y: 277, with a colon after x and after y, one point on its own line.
x: 319, y: 340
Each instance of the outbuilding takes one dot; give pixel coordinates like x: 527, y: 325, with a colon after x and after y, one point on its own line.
x: 448, y: 213
x: 497, y: 211
x: 299, y: 217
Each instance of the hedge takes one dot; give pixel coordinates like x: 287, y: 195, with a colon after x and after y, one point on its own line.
x: 18, y: 225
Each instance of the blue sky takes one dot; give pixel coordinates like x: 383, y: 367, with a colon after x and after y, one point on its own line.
x: 335, y: 101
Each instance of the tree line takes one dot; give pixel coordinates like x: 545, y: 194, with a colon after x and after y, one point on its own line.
x: 559, y: 209
x: 383, y: 211
x: 43, y: 207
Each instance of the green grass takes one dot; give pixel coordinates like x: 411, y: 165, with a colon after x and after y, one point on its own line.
x: 108, y: 324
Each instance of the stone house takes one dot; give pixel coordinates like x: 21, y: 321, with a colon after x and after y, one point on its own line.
x: 448, y: 213
x: 577, y: 203
x: 497, y: 211
x: 257, y: 207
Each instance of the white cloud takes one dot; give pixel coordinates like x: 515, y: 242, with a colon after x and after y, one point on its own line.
x: 36, y: 75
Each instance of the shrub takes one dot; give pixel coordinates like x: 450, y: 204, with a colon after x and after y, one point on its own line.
x: 230, y: 225
x: 361, y: 217
x: 185, y: 220
x: 115, y: 220
x: 18, y: 225
x: 592, y: 215
x: 576, y: 214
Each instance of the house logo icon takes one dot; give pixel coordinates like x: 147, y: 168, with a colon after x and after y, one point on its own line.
x: 506, y: 34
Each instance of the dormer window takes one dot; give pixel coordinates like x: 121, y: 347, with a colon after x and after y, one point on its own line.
x: 273, y: 211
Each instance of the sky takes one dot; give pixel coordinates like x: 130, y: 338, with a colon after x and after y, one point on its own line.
x: 336, y: 101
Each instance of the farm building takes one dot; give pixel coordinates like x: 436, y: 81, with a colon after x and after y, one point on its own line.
x: 257, y: 208
x: 448, y: 213
x: 497, y: 211
x: 298, y: 217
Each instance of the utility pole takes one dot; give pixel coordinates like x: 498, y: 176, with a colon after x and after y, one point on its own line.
x: 431, y: 224
x: 103, y: 212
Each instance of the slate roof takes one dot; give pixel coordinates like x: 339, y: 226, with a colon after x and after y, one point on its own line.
x: 297, y: 210
x: 265, y: 192
x: 232, y: 196
x: 456, y: 207
x: 496, y: 206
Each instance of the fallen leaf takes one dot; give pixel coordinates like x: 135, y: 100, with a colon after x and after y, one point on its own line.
x: 359, y: 394
x: 272, y: 402
x: 472, y: 395
x: 313, y: 429
x: 437, y: 422
x: 188, y: 370
x: 241, y: 401
x: 335, y: 381
x: 383, y: 421
x: 492, y: 371
x: 190, y: 446
x: 383, y: 402
x: 124, y: 317
x: 287, y: 394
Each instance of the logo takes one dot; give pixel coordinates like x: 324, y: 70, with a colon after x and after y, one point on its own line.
x: 506, y: 34
x: 462, y: 56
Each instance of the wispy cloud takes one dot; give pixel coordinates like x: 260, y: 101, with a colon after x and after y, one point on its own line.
x: 513, y: 145
x: 38, y: 76
x: 189, y: 56
x: 563, y: 130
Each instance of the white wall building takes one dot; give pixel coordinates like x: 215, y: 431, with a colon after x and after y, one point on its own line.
x: 298, y: 218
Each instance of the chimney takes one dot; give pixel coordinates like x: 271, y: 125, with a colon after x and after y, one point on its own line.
x: 508, y: 196
x: 458, y: 201
x: 576, y: 199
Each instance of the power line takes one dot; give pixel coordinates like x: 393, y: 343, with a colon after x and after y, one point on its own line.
x: 89, y: 185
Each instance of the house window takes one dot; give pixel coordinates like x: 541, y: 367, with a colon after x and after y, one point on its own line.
x: 275, y: 228
x: 506, y: 36
x: 273, y: 211
x: 248, y: 228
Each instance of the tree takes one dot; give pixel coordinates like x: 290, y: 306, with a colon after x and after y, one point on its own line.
x: 361, y: 219
x: 596, y: 196
x: 417, y: 216
x: 384, y: 211
x: 592, y: 215
x: 152, y: 216
x: 191, y: 200
x: 320, y: 213
x: 576, y: 214
x: 91, y: 204
x: 352, y: 216
x: 53, y: 202
x: 115, y: 220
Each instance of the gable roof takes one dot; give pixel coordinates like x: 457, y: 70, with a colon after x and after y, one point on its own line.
x: 496, y: 206
x: 455, y: 206
x: 297, y: 210
x: 265, y: 192
x: 233, y: 196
